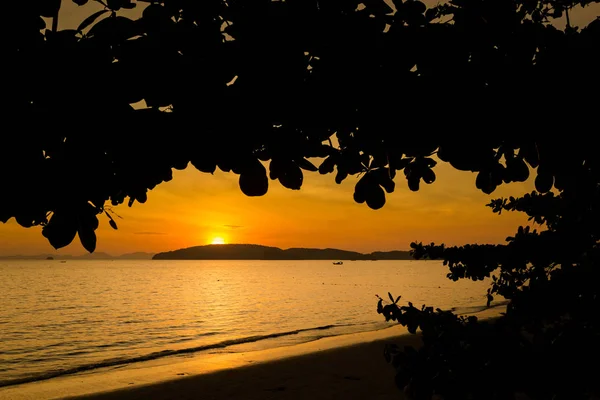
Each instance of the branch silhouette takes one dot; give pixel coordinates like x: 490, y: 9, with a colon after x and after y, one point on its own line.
x: 259, y: 87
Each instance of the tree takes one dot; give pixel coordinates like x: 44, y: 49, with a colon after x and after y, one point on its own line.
x: 489, y: 86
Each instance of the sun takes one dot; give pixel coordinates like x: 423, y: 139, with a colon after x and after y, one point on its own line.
x: 218, y: 240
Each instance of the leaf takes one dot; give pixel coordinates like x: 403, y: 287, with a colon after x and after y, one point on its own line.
x: 428, y: 175
x: 111, y: 221
x: 87, y: 237
x: 305, y: 164
x: 412, y: 327
x: 359, y: 197
x: 253, y: 181
x: 291, y: 177
x: 543, y: 181
x: 413, y: 183
x: 113, y: 224
x: 142, y: 196
x: 391, y: 297
x: 327, y: 165
x: 61, y: 229
x: 87, y: 223
x: 341, y: 175
x: 275, y: 168
x: 26, y: 220
x: 362, y: 188
x: 484, y: 182
x: 397, y: 299
x: 90, y: 20
x: 383, y: 178
x: 205, y: 164
x: 419, y: 6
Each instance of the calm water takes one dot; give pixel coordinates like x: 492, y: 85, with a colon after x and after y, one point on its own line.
x: 61, y: 318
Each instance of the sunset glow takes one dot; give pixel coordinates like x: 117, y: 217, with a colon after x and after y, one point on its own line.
x: 196, y: 208
x: 218, y: 240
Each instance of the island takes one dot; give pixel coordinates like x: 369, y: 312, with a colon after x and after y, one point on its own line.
x: 259, y: 252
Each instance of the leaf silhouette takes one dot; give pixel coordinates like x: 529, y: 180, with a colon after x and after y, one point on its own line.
x: 253, y: 180
x: 291, y: 176
x: 375, y: 198
x: 61, y: 229
x: 87, y: 237
x: 113, y: 224
x: 327, y: 165
x: 91, y: 19
x: 305, y: 164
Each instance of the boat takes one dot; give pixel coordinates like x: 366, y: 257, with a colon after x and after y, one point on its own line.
x: 338, y: 262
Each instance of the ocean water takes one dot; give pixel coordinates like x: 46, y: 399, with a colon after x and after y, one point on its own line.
x: 63, y: 318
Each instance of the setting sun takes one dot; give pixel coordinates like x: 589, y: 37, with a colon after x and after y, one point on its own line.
x: 218, y: 240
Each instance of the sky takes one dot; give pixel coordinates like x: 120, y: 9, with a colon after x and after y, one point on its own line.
x: 197, y: 208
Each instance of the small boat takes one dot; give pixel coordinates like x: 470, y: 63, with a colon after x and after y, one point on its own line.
x: 338, y: 262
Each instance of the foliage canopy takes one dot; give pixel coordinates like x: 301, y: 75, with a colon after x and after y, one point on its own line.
x: 489, y: 86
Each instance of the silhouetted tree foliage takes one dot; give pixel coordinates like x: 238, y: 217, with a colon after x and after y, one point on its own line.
x: 490, y: 86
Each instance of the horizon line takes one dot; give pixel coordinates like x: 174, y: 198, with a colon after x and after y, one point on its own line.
x: 182, y: 248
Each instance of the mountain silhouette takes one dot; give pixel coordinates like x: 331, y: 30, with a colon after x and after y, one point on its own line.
x: 258, y: 252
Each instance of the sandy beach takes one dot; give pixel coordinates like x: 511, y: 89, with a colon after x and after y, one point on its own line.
x: 351, y: 372
x: 344, y: 367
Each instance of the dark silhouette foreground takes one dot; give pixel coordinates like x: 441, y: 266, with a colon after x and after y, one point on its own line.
x: 489, y: 86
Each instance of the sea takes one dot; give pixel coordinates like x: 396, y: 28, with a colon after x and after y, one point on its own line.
x: 64, y: 318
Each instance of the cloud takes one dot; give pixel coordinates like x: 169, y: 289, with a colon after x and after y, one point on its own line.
x: 233, y: 226
x: 149, y: 233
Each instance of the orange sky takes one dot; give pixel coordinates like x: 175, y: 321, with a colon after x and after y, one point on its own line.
x: 194, y: 208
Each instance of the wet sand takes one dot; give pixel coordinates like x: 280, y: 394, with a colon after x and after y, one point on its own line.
x: 342, y: 367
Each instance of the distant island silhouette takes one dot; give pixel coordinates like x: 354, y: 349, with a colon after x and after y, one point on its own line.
x: 93, y: 256
x: 258, y: 252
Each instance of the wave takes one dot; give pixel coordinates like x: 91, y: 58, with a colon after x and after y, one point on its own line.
x: 160, y: 354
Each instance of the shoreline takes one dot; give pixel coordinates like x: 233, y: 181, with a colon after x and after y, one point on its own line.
x: 352, y: 360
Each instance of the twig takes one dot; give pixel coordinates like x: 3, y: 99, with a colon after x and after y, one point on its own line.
x: 55, y: 19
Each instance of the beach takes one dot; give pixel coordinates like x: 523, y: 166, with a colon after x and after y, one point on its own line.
x: 344, y: 367
x: 227, y: 330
